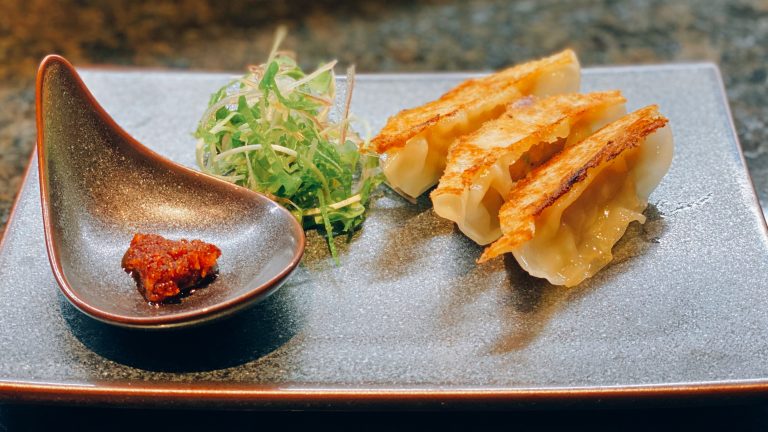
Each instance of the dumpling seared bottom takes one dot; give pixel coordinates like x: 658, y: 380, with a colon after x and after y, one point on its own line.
x: 562, y: 221
x: 484, y: 166
x: 415, y: 142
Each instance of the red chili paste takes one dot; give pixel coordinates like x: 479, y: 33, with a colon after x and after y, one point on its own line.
x: 165, y: 268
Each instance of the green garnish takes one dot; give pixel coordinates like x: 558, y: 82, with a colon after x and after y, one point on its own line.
x: 269, y: 131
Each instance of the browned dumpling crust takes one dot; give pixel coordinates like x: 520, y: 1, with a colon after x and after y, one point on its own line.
x: 563, y: 218
x: 483, y: 166
x: 415, y: 141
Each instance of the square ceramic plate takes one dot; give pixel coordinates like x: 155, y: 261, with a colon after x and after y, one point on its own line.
x: 407, y: 319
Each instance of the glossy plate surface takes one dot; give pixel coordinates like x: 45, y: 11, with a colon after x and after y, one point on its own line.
x: 100, y: 187
x: 408, y: 319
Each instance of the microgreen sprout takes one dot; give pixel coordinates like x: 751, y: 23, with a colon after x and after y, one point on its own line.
x: 270, y: 131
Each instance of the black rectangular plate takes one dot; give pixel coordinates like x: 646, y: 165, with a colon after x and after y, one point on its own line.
x: 408, y: 318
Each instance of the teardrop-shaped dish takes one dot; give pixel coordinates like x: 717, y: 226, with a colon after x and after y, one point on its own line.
x: 99, y: 186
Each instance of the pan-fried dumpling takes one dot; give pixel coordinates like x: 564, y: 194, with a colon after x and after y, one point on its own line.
x: 562, y: 220
x: 483, y: 166
x: 414, y: 142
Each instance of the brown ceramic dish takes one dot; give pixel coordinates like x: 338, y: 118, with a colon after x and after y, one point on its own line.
x: 99, y: 186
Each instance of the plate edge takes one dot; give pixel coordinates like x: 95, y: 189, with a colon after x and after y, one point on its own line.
x: 335, y: 398
x: 723, y: 95
x: 375, y: 76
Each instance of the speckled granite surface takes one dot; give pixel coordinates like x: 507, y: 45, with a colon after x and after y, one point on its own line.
x: 381, y: 36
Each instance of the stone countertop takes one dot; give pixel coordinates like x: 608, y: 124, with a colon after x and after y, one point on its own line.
x: 381, y: 36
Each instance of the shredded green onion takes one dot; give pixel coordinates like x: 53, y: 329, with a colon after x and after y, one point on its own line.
x: 270, y: 131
